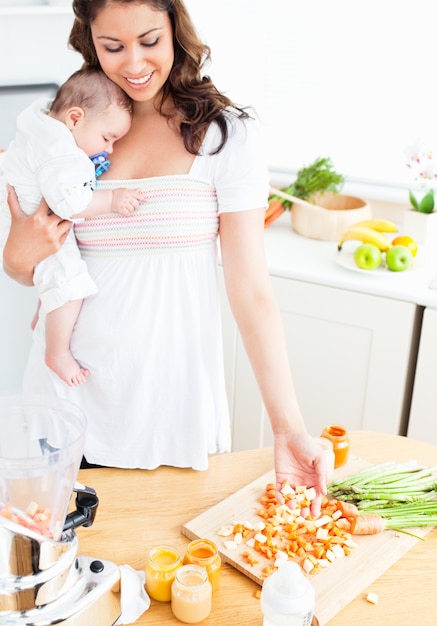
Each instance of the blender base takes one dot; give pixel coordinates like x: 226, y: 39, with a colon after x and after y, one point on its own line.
x: 93, y: 600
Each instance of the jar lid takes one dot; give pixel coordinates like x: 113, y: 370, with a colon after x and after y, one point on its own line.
x: 335, y: 430
x: 192, y: 576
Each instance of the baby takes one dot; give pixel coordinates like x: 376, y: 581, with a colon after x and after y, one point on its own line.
x: 50, y: 157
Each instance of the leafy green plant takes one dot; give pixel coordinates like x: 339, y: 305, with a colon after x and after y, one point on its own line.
x: 426, y: 204
x: 318, y: 177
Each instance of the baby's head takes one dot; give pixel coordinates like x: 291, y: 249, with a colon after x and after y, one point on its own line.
x: 95, y: 109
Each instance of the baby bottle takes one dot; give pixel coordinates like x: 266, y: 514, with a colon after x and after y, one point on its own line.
x: 287, y: 597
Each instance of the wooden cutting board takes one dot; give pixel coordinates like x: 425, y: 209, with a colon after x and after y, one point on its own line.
x: 335, y: 586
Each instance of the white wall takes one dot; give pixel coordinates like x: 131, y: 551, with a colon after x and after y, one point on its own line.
x: 352, y: 80
x: 33, y: 45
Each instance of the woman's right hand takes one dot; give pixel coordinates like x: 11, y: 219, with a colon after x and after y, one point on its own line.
x: 32, y: 238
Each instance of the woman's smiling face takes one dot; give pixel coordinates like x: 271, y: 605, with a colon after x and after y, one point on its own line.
x: 134, y: 44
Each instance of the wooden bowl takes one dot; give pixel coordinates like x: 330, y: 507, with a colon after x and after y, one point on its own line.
x: 332, y: 216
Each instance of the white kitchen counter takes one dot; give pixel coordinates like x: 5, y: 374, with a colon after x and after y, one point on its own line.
x: 290, y: 255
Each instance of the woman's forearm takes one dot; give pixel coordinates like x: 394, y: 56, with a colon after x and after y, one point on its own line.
x: 298, y: 458
x: 261, y: 329
x: 258, y: 317
x: 14, y: 267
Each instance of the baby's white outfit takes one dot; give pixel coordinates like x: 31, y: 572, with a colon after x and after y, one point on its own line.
x: 43, y: 160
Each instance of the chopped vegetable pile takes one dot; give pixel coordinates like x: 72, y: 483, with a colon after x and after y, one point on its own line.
x: 388, y: 496
x: 35, y: 517
x: 284, y: 533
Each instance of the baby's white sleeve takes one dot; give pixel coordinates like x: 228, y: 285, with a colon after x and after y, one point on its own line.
x: 67, y: 184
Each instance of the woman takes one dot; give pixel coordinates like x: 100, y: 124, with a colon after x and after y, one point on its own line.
x: 151, y: 337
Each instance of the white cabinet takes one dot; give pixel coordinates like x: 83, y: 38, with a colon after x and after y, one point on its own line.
x: 423, y: 415
x: 350, y: 357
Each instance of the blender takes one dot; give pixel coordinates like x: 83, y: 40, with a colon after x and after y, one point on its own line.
x: 43, y: 580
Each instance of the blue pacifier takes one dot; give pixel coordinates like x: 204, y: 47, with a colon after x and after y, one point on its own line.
x: 101, y: 162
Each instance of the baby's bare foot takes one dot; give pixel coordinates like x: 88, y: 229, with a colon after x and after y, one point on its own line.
x: 67, y: 368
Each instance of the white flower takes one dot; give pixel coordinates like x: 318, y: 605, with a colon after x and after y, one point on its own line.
x: 423, y: 166
x: 428, y: 170
x: 413, y: 152
x: 422, y: 163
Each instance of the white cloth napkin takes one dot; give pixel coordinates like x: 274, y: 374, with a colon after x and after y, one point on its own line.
x: 133, y: 598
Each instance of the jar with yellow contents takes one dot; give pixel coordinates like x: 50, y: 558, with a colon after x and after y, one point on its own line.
x: 161, y: 567
x: 204, y: 552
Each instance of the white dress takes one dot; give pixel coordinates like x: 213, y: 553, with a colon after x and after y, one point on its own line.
x: 151, y: 337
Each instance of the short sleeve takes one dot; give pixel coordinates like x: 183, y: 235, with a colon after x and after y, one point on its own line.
x: 239, y: 172
x: 67, y: 184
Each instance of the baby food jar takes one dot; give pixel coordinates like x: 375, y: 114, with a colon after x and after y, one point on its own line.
x: 204, y: 553
x: 161, y: 568
x: 340, y: 441
x: 328, y: 449
x: 191, y: 594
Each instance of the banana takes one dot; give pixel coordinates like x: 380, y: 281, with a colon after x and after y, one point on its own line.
x: 365, y: 235
x: 382, y: 226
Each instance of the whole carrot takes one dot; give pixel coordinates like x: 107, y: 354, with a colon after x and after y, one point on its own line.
x: 348, y: 509
x: 369, y: 524
x: 274, y: 210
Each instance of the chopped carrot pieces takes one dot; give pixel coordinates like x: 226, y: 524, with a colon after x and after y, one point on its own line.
x: 290, y: 532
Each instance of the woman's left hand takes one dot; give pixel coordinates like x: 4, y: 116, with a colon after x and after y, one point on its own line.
x: 32, y: 238
x: 301, y: 461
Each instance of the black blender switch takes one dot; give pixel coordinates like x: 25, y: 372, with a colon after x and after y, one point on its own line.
x: 97, y: 567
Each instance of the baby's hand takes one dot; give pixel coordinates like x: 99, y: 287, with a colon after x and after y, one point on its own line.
x: 125, y: 201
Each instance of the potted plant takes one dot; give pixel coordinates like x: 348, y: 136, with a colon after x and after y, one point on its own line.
x: 420, y: 220
x: 318, y: 177
x: 319, y: 210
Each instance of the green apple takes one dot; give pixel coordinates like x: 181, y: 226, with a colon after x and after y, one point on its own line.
x: 367, y: 256
x: 398, y: 258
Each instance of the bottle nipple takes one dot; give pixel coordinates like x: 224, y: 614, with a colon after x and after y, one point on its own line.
x: 289, y: 580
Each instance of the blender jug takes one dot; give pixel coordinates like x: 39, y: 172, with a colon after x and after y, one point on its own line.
x: 43, y: 580
x: 41, y: 445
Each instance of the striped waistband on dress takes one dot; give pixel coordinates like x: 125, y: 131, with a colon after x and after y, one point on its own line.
x: 178, y: 215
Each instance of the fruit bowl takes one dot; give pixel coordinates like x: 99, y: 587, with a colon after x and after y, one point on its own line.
x: 333, y: 215
x: 345, y: 258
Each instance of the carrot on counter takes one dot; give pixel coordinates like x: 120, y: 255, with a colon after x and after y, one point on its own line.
x: 403, y: 494
x: 274, y: 210
x: 367, y: 524
x: 348, y: 509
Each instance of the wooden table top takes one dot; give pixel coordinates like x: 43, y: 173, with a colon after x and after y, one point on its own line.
x: 140, y: 509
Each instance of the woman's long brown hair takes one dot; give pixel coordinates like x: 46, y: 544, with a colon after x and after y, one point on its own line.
x: 198, y: 102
